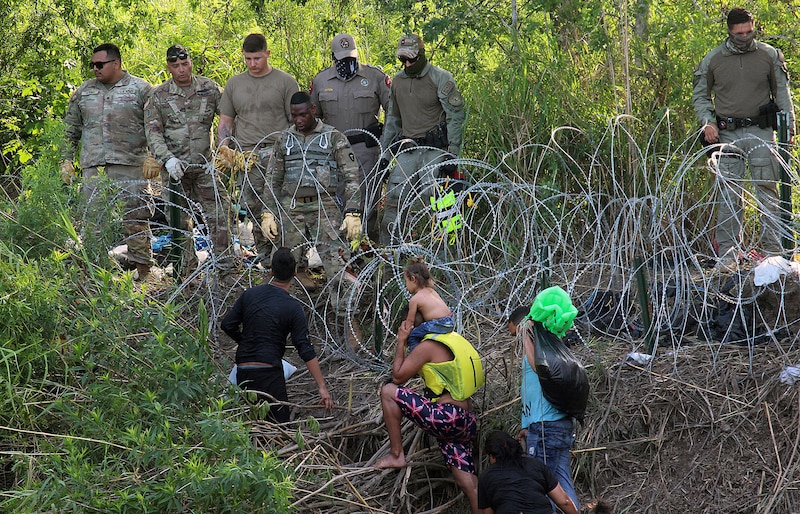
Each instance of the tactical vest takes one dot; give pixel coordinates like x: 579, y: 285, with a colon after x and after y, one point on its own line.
x: 311, y: 163
x: 462, y: 376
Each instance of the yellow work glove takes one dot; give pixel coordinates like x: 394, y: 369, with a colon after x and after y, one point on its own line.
x: 268, y: 226
x: 68, y: 172
x: 151, y: 168
x: 352, y: 224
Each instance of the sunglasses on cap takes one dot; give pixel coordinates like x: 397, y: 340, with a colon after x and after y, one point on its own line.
x: 179, y: 55
x: 406, y: 59
x: 99, y: 64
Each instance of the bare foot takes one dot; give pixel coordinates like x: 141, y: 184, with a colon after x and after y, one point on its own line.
x: 390, y: 461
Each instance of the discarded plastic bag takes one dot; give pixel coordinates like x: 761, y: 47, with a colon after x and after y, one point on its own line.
x: 288, y: 371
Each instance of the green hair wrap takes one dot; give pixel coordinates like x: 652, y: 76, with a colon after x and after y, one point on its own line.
x: 553, y: 308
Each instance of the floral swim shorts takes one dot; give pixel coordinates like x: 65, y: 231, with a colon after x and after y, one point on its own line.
x: 455, y: 428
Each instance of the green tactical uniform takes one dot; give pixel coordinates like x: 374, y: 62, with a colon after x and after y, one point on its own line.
x: 417, y: 106
x: 733, y: 85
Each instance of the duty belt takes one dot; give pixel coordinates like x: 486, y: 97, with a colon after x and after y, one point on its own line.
x: 735, y: 123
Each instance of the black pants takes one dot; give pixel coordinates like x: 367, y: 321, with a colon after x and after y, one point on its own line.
x: 266, y: 380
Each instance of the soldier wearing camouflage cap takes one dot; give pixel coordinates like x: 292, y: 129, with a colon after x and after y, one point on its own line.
x: 424, y: 127
x: 179, y: 116
x: 106, y: 116
x: 350, y: 95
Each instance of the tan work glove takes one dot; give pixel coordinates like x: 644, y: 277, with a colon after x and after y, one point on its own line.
x: 234, y: 160
x: 268, y: 226
x: 225, y: 158
x: 151, y: 168
x: 352, y: 223
x: 68, y: 172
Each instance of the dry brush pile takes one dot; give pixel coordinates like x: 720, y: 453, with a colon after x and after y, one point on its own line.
x: 704, y: 425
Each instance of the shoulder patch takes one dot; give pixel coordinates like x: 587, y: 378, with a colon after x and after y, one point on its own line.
x: 448, y: 88
x: 455, y: 100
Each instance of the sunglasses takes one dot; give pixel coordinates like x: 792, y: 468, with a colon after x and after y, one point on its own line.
x: 174, y: 58
x: 99, y: 64
x: 406, y: 59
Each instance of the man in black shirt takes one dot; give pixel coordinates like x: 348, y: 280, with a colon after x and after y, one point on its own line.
x: 259, y: 322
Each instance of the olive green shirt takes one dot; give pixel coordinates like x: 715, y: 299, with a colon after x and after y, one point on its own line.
x: 419, y: 104
x: 735, y: 85
x: 259, y: 106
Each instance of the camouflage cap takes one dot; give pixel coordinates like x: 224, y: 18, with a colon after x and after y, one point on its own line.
x: 176, y: 52
x: 409, y: 46
x: 343, y: 45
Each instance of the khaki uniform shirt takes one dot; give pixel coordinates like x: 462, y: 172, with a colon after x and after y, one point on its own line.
x: 259, y: 106
x: 341, y: 152
x: 735, y: 85
x: 351, y: 104
x: 419, y: 104
x: 108, y: 121
x: 178, y: 121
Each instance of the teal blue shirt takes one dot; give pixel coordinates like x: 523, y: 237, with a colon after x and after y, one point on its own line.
x: 535, y: 407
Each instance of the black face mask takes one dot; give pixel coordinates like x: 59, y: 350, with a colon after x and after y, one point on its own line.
x: 346, y: 68
x: 416, y: 68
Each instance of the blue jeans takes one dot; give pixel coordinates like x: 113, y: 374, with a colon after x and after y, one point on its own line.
x: 551, y: 442
x: 435, y: 326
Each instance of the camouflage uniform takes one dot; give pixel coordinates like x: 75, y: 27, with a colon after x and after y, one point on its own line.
x: 260, y: 108
x: 108, y: 121
x: 305, y: 172
x: 418, y: 105
x: 178, y: 124
x: 355, y: 104
x: 731, y: 84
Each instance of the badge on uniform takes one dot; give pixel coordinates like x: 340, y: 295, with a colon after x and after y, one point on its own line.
x: 364, y: 82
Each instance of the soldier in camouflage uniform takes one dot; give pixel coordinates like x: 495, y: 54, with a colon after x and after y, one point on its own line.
x: 309, y: 161
x: 732, y: 85
x: 253, y: 112
x: 426, y: 109
x: 106, y: 116
x: 178, y: 118
x: 349, y: 95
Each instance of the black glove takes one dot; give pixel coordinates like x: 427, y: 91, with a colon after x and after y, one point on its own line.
x: 448, y: 170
